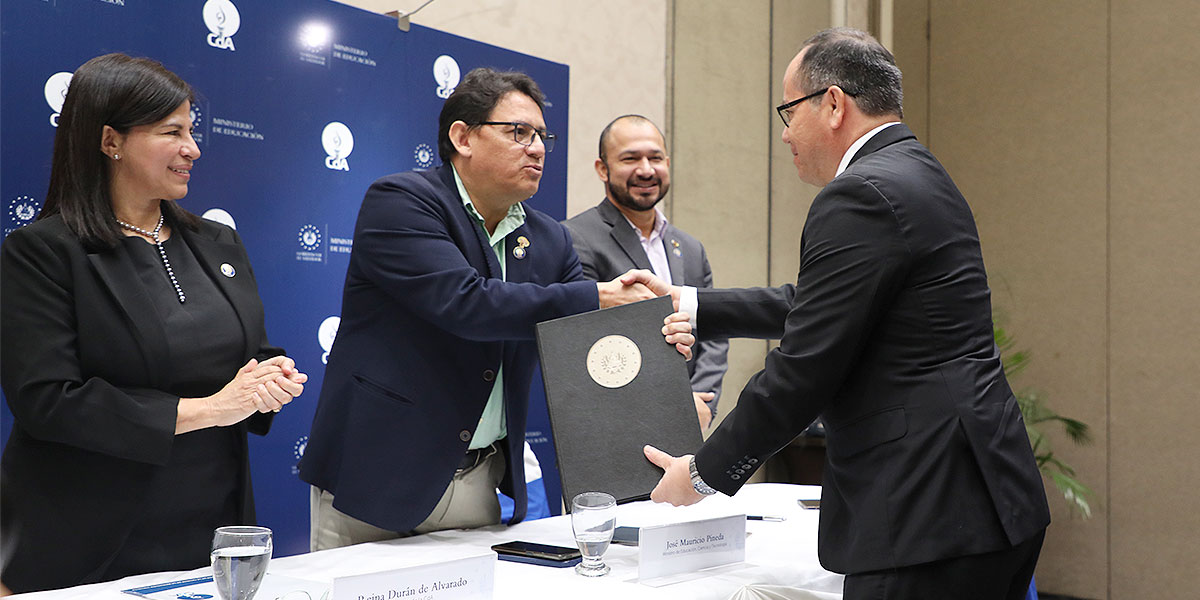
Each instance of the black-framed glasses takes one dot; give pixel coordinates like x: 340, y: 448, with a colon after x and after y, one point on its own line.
x: 523, y: 133
x: 785, y: 110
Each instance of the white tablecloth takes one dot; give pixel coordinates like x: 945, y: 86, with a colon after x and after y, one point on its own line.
x: 781, y: 557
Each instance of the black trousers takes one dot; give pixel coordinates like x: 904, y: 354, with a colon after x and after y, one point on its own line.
x: 1002, y: 575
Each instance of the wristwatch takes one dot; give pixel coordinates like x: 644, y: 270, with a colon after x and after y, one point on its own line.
x: 698, y: 483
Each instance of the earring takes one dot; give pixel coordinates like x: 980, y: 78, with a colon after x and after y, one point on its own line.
x: 116, y: 157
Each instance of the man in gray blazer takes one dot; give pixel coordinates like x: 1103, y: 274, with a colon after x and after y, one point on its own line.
x: 625, y: 231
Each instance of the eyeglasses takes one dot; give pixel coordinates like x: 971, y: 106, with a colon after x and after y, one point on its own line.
x: 523, y: 133
x: 785, y: 110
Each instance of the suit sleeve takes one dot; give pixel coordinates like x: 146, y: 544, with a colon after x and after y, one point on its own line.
x: 48, y: 393
x: 743, y: 312
x: 403, y: 246
x: 854, y: 260
x: 711, y: 354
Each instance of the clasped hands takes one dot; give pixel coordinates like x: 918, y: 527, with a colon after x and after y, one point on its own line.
x: 639, y: 284
x: 257, y: 387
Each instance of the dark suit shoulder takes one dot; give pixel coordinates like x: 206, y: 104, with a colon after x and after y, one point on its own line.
x: 218, y: 232
x: 587, y: 219
x: 50, y: 230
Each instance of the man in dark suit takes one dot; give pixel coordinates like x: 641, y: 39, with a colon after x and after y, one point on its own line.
x: 930, y: 487
x: 422, y: 411
x: 626, y: 231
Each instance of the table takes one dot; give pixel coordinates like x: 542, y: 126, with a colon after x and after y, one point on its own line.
x: 781, y: 557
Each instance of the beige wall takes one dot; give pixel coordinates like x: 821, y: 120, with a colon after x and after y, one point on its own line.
x: 1070, y: 128
x: 616, y: 50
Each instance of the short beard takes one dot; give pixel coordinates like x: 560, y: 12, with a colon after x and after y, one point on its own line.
x: 627, y: 200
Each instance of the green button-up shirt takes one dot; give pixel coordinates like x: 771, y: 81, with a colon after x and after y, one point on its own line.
x: 492, y: 424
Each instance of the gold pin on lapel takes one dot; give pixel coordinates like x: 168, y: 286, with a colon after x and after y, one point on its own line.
x: 522, y: 244
x: 676, y: 249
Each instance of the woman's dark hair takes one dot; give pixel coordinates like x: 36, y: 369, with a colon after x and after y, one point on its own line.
x: 475, y: 97
x: 121, y: 92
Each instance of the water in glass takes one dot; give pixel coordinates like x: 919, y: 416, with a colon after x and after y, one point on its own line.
x: 593, y: 518
x: 239, y: 560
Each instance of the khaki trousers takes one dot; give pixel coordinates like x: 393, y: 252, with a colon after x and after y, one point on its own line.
x: 469, y: 501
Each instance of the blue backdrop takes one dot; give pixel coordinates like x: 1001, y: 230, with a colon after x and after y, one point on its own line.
x: 302, y: 104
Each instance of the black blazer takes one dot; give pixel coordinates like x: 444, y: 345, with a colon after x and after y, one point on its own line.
x: 887, y: 335
x: 83, y: 366
x: 608, y: 246
x: 426, y: 323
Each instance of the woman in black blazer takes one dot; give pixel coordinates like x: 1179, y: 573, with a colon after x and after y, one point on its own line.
x: 135, y: 357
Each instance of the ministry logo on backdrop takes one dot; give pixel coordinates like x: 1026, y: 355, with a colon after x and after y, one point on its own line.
x: 338, y: 143
x: 56, y: 93
x: 221, y: 216
x: 326, y: 333
x: 309, y: 238
x: 424, y: 156
x: 298, y: 449
x: 313, y: 40
x: 22, y: 210
x: 197, y: 115
x: 446, y: 74
x: 222, y: 19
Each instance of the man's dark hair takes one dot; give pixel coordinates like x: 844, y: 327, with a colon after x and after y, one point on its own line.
x: 854, y: 61
x: 475, y: 97
x: 121, y: 92
x: 630, y: 117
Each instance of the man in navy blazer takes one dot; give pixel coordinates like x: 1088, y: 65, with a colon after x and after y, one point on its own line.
x: 930, y: 487
x: 422, y: 412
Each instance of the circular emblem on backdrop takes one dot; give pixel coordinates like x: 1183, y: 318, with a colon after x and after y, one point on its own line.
x: 22, y: 210
x: 221, y: 17
x: 219, y: 215
x: 337, y: 140
x: 327, y: 332
x: 614, y: 361
x: 446, y: 74
x: 56, y: 90
x: 314, y: 36
x: 423, y: 155
x: 299, y: 446
x: 197, y: 116
x: 309, y: 237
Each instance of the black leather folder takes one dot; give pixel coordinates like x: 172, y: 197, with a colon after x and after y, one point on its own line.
x: 602, y: 416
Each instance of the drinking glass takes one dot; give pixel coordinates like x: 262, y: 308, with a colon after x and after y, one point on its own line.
x: 593, y: 518
x: 239, y: 560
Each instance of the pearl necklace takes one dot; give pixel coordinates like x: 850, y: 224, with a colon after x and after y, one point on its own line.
x: 161, y: 251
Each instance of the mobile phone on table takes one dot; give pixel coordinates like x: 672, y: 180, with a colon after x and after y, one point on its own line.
x: 626, y: 536
x: 538, y: 554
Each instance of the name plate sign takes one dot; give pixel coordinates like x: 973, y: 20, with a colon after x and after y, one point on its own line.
x: 665, y: 550
x: 469, y: 578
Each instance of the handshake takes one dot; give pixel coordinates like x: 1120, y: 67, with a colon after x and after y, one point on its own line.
x: 634, y: 286
x: 639, y: 284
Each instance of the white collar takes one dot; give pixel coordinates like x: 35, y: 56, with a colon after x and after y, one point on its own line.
x: 858, y: 144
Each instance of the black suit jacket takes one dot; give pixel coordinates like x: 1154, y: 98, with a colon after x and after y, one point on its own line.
x: 608, y: 246
x: 83, y: 365
x: 426, y: 323
x: 887, y: 335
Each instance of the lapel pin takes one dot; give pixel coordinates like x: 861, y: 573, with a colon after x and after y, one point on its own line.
x: 677, y: 252
x: 522, y: 241
x: 519, y: 252
x: 228, y: 270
